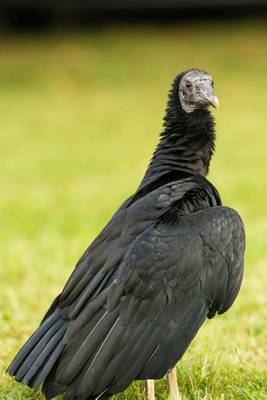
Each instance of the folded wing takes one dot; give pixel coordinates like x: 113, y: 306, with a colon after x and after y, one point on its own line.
x: 138, y: 295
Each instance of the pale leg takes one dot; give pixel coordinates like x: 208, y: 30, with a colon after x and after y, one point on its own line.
x: 173, y: 386
x: 150, y: 389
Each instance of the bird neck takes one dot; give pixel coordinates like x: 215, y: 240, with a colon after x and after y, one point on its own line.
x: 186, y: 145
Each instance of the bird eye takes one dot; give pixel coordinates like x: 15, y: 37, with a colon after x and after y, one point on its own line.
x: 188, y: 84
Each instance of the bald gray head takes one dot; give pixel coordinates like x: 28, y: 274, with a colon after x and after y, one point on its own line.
x: 196, y: 91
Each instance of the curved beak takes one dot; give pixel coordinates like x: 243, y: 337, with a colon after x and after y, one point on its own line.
x: 208, y: 95
x: 213, y: 101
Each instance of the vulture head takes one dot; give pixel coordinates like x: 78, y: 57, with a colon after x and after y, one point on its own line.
x: 196, y: 91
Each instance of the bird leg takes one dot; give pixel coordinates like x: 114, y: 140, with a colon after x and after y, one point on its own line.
x: 150, y: 389
x: 173, y: 386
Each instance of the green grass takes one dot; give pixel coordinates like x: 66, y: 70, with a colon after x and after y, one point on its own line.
x: 80, y: 115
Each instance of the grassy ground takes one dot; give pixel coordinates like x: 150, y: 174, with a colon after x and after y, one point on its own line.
x: 80, y: 115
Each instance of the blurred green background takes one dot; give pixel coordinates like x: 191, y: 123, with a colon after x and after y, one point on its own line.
x: 80, y: 114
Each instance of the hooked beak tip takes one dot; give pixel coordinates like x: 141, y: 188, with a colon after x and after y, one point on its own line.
x: 214, y: 102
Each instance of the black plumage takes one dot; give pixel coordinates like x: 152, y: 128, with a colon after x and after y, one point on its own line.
x: 170, y: 257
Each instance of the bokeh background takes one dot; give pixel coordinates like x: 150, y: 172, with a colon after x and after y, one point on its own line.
x: 80, y: 112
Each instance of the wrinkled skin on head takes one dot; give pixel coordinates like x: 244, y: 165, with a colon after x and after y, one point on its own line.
x: 196, y: 91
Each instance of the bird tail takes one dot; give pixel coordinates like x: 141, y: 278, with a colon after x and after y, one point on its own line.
x: 39, y: 354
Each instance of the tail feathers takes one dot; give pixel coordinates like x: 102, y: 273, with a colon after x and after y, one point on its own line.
x: 25, y: 350
x: 38, y: 356
x: 35, y: 358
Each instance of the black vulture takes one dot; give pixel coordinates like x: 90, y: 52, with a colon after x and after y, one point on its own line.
x: 170, y: 257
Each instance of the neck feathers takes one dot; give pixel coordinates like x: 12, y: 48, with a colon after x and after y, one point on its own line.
x: 187, y: 142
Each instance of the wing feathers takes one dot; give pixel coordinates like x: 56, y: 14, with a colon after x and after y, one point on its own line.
x: 48, y: 348
x: 40, y: 352
x: 140, y: 353
x: 104, y: 353
x: 137, y: 296
x: 46, y: 325
x: 80, y: 351
x: 42, y: 374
